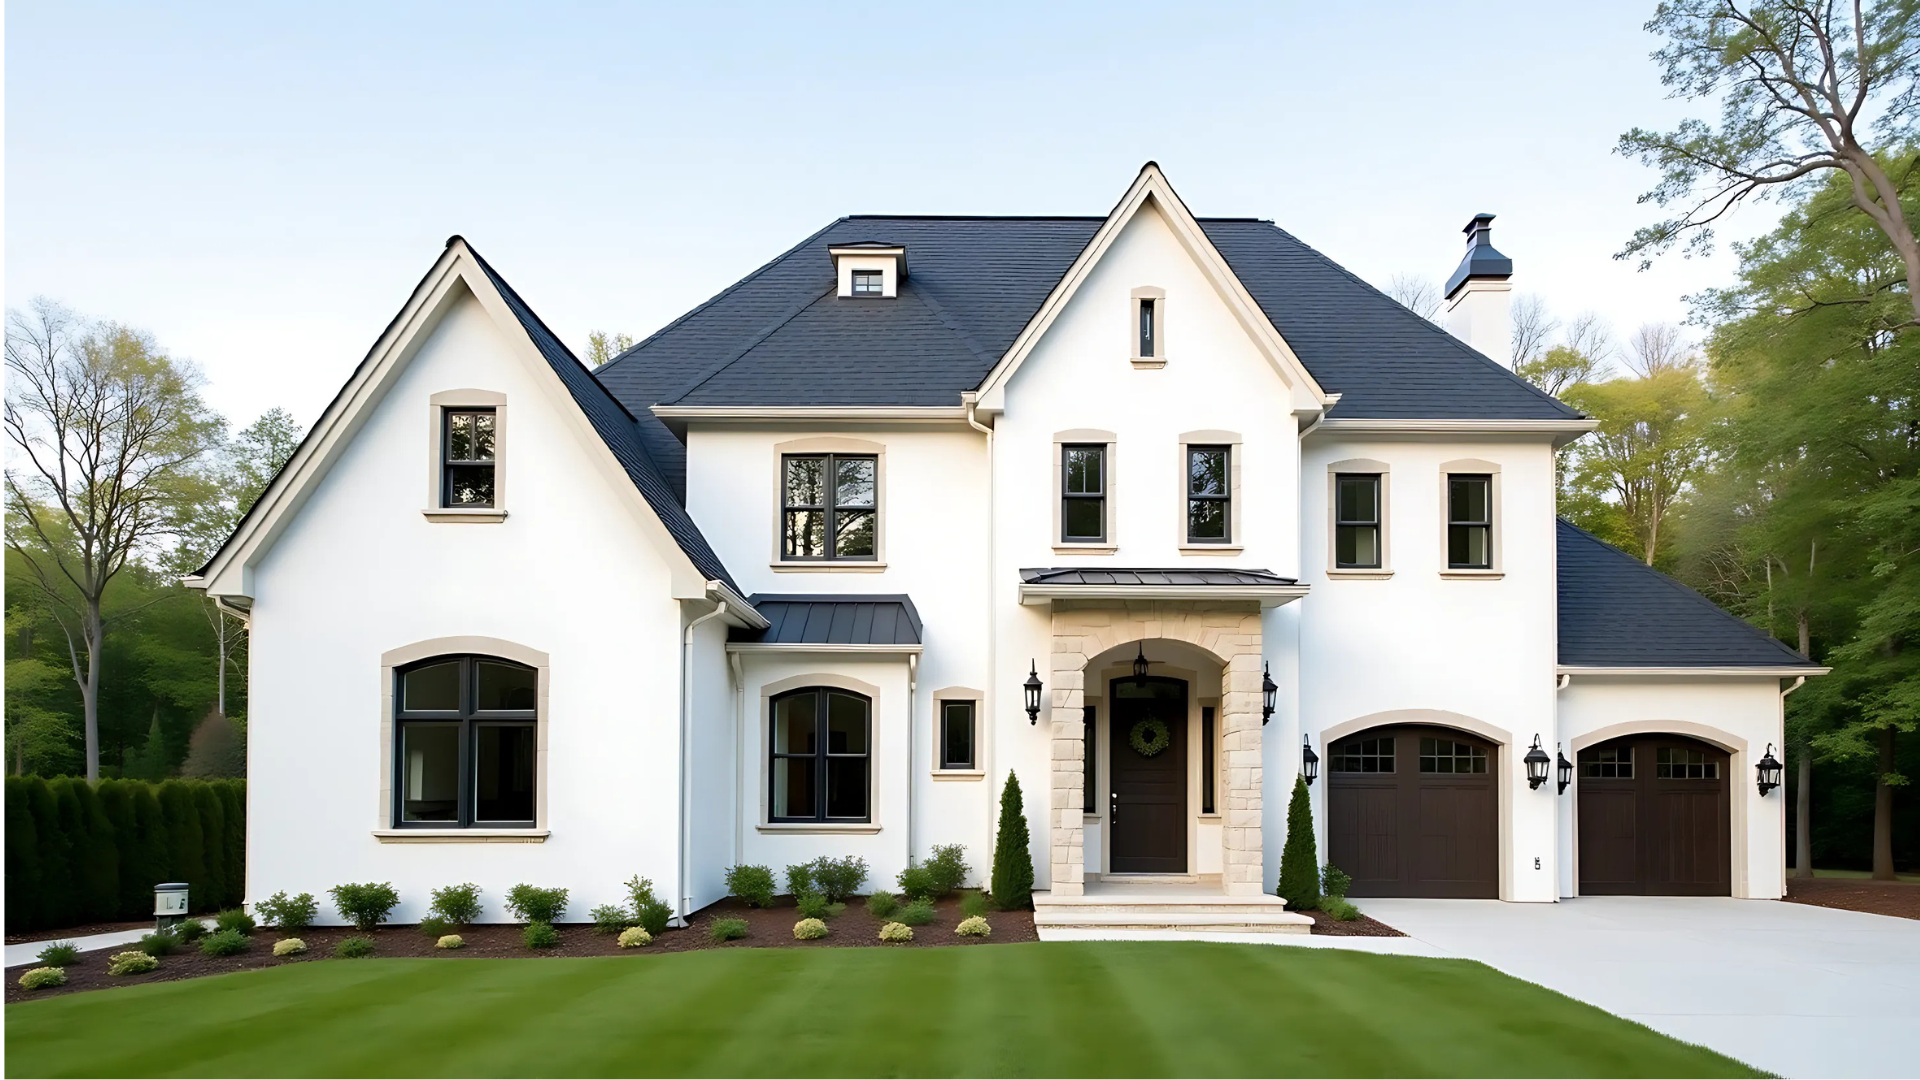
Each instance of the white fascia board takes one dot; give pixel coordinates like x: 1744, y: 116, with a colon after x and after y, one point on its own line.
x: 1783, y: 671
x: 1151, y: 183
x: 1268, y: 595
x: 740, y: 612
x: 749, y: 414
x: 1562, y: 431
x: 795, y: 648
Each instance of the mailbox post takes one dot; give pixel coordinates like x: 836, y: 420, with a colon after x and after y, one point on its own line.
x: 169, y: 904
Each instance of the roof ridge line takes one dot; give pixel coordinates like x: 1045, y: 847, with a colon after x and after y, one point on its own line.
x: 947, y: 320
x: 751, y: 344
x: 501, y: 283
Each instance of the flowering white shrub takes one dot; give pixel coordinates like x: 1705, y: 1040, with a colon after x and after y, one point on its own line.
x: 809, y: 929
x: 292, y: 946
x: 39, y: 978
x: 450, y: 941
x: 131, y: 963
x: 634, y: 937
x: 973, y: 927
x: 894, y: 931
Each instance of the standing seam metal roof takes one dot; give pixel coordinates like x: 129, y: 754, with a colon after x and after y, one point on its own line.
x: 878, y: 619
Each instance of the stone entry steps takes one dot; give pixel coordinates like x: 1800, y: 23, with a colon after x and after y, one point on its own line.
x: 1114, y: 908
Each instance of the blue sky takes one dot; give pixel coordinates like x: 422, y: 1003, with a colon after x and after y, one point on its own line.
x: 261, y: 185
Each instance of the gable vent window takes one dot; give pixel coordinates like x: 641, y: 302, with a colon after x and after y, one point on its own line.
x: 867, y: 283
x: 1147, y: 343
x: 467, y: 462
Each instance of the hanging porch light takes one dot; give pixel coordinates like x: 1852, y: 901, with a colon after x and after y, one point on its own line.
x: 1537, y: 764
x: 1033, y: 693
x: 1267, y: 690
x: 1565, y: 768
x: 1767, y: 772
x: 1309, y: 761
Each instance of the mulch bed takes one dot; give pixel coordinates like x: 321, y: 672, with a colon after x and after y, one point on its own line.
x: 766, y: 928
x: 1897, y: 898
x: 88, y: 930
x: 1364, y: 926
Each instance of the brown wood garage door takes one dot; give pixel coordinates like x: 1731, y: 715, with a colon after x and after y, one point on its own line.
x: 1412, y: 811
x: 1654, y: 818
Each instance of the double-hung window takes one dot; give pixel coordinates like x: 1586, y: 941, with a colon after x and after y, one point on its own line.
x: 1209, y: 509
x: 956, y: 735
x: 1083, y: 493
x: 1356, y: 521
x: 466, y: 458
x: 464, y: 732
x: 829, y: 506
x: 820, y: 764
x: 1469, y: 522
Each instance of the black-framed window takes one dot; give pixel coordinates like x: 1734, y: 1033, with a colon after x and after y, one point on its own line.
x: 1206, y: 759
x: 820, y: 761
x: 1674, y: 763
x: 1363, y: 756
x: 1209, y: 487
x: 956, y: 735
x: 1356, y: 521
x: 867, y: 283
x: 1148, y: 315
x: 466, y: 457
x: 829, y: 506
x: 1083, y: 492
x: 1089, y: 777
x: 464, y: 743
x: 1451, y: 756
x: 1607, y: 763
x: 1470, y: 522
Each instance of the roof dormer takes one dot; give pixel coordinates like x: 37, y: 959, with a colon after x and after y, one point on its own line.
x: 869, y: 269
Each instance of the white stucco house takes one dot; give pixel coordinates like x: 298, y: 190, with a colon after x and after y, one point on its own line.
x: 775, y: 583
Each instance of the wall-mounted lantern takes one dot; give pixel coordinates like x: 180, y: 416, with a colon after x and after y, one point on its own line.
x: 1309, y: 761
x: 1767, y: 772
x: 1267, y: 690
x: 1537, y: 764
x: 1565, y: 768
x: 1140, y: 663
x: 1033, y: 693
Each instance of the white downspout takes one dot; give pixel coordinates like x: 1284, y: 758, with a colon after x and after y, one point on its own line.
x: 993, y: 637
x: 739, y: 738
x: 1797, y: 684
x: 1562, y: 682
x: 913, y: 684
x: 686, y: 758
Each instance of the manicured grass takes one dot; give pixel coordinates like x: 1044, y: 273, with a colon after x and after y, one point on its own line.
x: 1859, y: 875
x: 1045, y: 1009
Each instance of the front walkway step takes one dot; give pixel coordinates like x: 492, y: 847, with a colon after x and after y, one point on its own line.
x: 1115, y: 907
x: 1246, y: 921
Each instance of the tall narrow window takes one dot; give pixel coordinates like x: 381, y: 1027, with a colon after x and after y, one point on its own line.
x: 1147, y: 342
x: 819, y: 756
x: 1206, y: 759
x: 1470, y: 522
x: 866, y: 283
x: 466, y: 458
x: 464, y: 735
x: 1208, y: 484
x: 1089, y: 774
x: 829, y: 506
x: 1083, y: 493
x: 1356, y: 521
x: 956, y: 734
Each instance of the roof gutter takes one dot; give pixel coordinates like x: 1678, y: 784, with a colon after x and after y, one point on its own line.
x: 1563, y: 431
x: 1801, y: 671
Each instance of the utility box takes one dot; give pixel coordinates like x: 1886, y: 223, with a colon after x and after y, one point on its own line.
x: 169, y: 904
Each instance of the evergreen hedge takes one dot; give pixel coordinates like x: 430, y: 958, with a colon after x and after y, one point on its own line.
x: 80, y: 852
x: 1299, y: 864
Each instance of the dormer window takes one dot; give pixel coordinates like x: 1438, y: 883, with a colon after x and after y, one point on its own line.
x: 869, y: 268
x: 867, y: 282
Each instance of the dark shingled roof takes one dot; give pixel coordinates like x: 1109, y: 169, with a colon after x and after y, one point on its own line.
x: 1616, y: 611
x: 1095, y: 576
x: 880, y: 619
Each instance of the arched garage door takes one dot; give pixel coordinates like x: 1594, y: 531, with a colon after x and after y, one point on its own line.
x: 1412, y: 811
x: 1654, y: 818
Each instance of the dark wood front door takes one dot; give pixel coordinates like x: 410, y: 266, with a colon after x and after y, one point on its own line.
x: 1413, y: 812
x: 1147, y: 801
x: 1654, y: 818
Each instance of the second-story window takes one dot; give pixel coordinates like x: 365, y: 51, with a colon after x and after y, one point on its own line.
x: 1470, y: 522
x: 1147, y: 342
x: 829, y: 506
x: 1356, y: 521
x: 1083, y: 493
x: 466, y: 454
x: 1208, y: 501
x: 867, y: 283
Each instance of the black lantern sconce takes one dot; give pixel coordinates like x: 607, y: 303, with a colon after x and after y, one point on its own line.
x: 1309, y: 761
x: 1767, y: 772
x: 1537, y: 764
x: 1267, y: 690
x: 1033, y: 693
x: 1565, y: 768
x: 1140, y: 663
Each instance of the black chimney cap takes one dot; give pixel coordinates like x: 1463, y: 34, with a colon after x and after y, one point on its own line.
x: 1482, y: 262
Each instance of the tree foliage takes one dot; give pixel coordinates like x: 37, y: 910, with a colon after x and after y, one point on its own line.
x: 602, y: 346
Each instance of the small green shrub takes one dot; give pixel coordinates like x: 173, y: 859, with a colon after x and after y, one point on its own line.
x: 1334, y: 881
x: 292, y: 946
x: 225, y: 943
x: 60, y: 954
x: 809, y: 930
x: 456, y: 905
x: 1299, y: 882
x: 918, y: 913
x: 132, y: 962
x: 42, y: 977
x: 450, y: 941
x: 190, y: 931
x: 234, y: 919
x: 634, y: 937
x: 916, y: 883
x: 973, y: 904
x: 1012, y: 884
x: 727, y: 929
x: 653, y: 913
x: 948, y: 868
x: 434, y: 926
x: 1339, y: 908
x: 354, y: 948
x: 158, y: 944
x: 882, y: 904
x: 532, y: 904
x: 800, y: 879
x: 894, y: 932
x: 540, y: 934
x: 837, y: 879
x: 288, y: 913
x: 973, y: 926
x: 813, y: 906
x: 365, y: 905
x: 610, y: 919
x: 752, y: 884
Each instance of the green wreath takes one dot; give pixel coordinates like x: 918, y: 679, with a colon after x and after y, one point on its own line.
x: 1149, y: 737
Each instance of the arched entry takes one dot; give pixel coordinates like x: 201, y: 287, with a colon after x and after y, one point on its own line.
x: 1654, y: 817
x: 1413, y: 810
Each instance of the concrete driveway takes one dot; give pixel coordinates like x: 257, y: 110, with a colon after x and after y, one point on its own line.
x: 1796, y: 990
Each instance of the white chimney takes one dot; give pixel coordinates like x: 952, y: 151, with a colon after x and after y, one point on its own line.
x: 1478, y: 294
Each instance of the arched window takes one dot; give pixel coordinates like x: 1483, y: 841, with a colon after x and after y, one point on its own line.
x: 820, y: 754
x: 464, y: 734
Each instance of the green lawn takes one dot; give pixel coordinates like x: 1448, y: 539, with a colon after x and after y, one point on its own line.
x: 1046, y: 1009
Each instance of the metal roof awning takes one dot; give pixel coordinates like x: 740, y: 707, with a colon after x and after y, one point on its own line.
x: 1042, y: 586
x: 885, y: 624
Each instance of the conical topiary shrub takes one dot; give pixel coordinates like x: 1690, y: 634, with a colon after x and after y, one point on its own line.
x: 1012, y: 861
x: 1300, y: 860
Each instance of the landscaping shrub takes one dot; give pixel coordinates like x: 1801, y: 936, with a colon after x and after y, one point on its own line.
x: 540, y: 934
x: 882, y: 904
x: 813, y: 906
x: 96, y: 860
x: 532, y: 904
x: 283, y: 912
x: 1334, y: 881
x: 894, y: 931
x: 800, y: 879
x: 1339, y: 908
x: 456, y: 905
x: 653, y: 913
x: 23, y: 888
x: 948, y: 868
x: 43, y: 977
x: 973, y: 904
x: 973, y: 926
x: 59, y: 954
x: 212, y: 889
x: 809, y: 930
x: 727, y: 929
x: 1299, y: 865
x: 753, y: 884
x: 54, y: 902
x: 434, y: 926
x: 354, y: 948
x: 225, y: 943
x: 837, y: 879
x: 190, y: 931
x: 365, y: 904
x: 158, y: 944
x: 634, y: 937
x: 234, y: 919
x: 292, y: 946
x: 450, y: 941
x: 918, y: 913
x: 133, y: 962
x: 610, y: 919
x: 1012, y: 884
x: 916, y: 883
